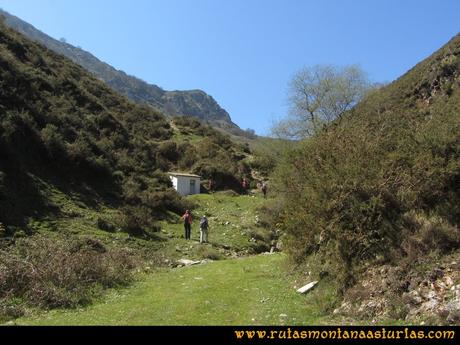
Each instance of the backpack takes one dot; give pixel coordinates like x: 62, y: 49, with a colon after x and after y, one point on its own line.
x: 204, y: 223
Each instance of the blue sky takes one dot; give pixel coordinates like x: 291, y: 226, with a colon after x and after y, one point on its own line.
x: 244, y: 52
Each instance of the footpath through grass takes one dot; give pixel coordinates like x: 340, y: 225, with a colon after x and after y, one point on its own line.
x: 234, y: 228
x: 245, y: 291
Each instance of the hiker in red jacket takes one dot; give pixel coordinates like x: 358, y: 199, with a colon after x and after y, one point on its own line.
x: 187, y: 217
x: 245, y: 184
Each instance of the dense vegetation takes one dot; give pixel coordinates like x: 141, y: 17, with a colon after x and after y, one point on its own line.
x: 77, y: 160
x: 58, y: 123
x: 383, y: 183
x: 61, y: 125
x: 214, y: 157
x: 51, y: 273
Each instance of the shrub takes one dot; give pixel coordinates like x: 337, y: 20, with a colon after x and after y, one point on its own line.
x: 54, y: 142
x: 188, y: 157
x: 132, y: 189
x: 168, y: 150
x: 224, y: 177
x: 261, y: 235
x: 437, y: 234
x: 105, y: 225
x: 324, y: 296
x: 207, y: 148
x: 54, y: 273
x: 428, y: 234
x: 187, y: 121
x: 230, y: 193
x: 209, y: 253
x: 263, y: 163
x: 258, y: 247
x: 10, y: 309
x: 175, y: 203
x: 133, y: 220
x: 398, y: 309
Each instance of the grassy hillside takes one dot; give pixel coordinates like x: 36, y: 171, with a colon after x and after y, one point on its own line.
x: 83, y: 189
x: 236, y: 229
x: 381, y: 186
x: 60, y: 125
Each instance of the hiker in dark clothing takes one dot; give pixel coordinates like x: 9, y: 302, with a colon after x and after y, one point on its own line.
x: 187, y: 217
x: 264, y: 189
x: 204, y: 230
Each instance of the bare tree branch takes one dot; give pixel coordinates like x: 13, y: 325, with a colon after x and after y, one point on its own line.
x: 319, y: 95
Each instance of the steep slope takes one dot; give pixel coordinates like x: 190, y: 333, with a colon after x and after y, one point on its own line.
x: 62, y: 129
x: 195, y: 103
x: 382, y: 186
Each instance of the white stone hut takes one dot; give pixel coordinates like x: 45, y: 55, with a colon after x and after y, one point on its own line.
x: 185, y: 184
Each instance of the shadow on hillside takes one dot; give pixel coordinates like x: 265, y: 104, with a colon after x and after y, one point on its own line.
x: 20, y: 200
x: 24, y: 193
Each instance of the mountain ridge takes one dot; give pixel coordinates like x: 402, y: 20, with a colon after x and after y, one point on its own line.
x: 195, y: 103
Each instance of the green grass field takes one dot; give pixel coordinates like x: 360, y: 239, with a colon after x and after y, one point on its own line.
x: 246, y: 291
x: 232, y: 219
x: 237, y: 288
x: 233, y: 222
